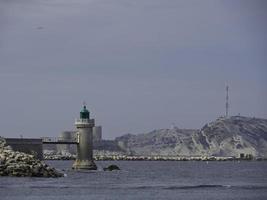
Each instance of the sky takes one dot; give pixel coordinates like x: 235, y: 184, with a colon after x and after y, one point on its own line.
x: 139, y: 65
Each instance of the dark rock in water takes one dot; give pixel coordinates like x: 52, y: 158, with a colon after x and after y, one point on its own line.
x: 111, y: 168
x: 14, y: 163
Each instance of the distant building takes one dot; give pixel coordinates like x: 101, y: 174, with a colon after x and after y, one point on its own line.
x: 69, y: 135
x: 97, y: 133
x: 67, y: 148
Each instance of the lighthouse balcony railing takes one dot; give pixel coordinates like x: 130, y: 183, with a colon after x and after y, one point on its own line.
x: 84, y: 121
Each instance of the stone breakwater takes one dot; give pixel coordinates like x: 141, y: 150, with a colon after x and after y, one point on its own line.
x: 153, y: 158
x: 14, y: 163
x: 173, y: 158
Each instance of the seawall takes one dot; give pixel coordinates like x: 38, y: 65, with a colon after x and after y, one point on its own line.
x: 27, y: 145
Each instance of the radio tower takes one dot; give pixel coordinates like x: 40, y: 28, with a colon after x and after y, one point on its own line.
x: 227, y: 102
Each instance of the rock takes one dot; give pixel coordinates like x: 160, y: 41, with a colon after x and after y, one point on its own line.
x: 14, y: 163
x: 111, y: 168
x: 2, y: 142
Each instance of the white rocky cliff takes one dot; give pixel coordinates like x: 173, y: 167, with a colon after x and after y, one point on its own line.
x: 224, y: 137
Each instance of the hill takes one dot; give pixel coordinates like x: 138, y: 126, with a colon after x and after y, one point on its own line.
x: 223, y: 137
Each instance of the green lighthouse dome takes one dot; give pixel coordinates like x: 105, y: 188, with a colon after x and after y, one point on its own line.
x: 84, y: 114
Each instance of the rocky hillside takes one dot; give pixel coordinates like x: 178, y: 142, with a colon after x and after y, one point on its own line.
x: 157, y: 142
x: 233, y: 136
x: 223, y: 137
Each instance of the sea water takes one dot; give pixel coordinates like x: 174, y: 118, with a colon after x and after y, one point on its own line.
x: 145, y: 180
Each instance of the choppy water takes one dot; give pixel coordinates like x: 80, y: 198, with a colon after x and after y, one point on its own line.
x: 146, y: 180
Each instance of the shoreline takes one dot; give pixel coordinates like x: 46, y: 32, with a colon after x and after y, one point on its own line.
x: 154, y: 158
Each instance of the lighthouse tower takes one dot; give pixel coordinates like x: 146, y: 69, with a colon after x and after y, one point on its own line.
x: 84, y: 126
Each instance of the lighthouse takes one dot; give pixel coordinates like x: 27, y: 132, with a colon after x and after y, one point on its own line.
x: 84, y: 125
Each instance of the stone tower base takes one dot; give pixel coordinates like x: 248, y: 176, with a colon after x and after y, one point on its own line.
x: 84, y: 164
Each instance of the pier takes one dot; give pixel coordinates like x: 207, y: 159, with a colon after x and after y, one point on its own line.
x: 59, y: 140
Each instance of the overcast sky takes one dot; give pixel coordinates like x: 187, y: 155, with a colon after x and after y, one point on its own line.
x: 139, y: 64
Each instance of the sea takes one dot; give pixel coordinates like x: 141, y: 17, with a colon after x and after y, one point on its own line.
x: 145, y: 180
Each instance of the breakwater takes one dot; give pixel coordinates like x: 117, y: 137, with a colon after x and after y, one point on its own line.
x: 15, y: 163
x: 151, y: 158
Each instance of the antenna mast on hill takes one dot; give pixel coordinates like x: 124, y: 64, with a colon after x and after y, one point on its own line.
x: 227, y: 102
